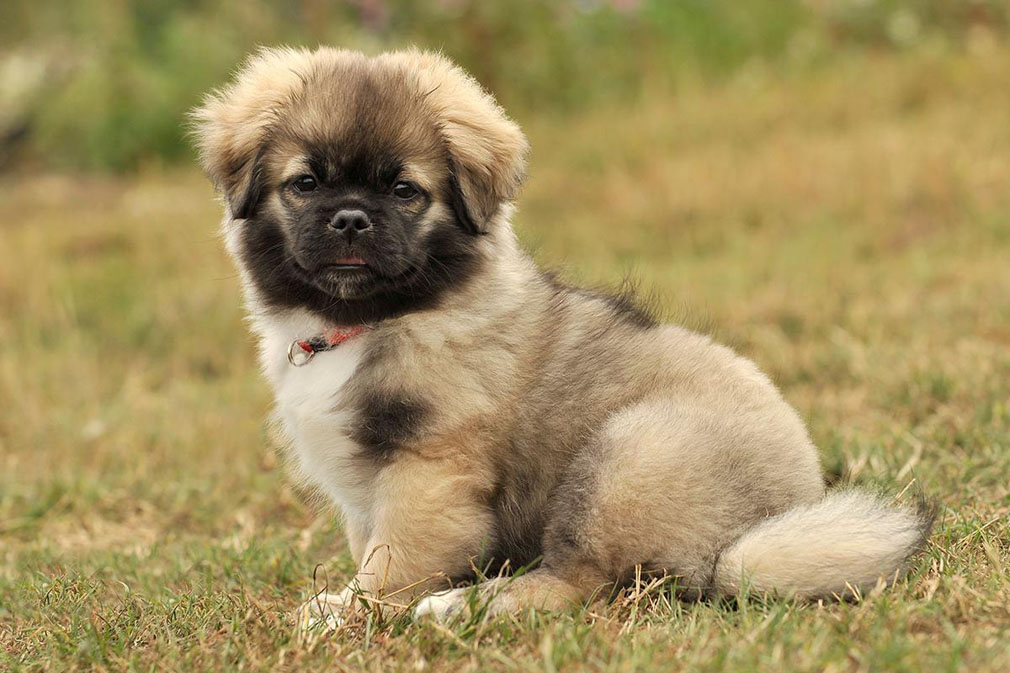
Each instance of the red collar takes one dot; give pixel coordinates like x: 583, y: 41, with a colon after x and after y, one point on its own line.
x: 302, y: 350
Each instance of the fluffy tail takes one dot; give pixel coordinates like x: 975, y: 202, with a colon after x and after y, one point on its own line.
x: 849, y: 540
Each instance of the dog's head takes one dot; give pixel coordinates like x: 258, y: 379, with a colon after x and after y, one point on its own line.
x: 358, y: 187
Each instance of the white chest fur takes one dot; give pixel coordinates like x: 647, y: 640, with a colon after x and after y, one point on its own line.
x: 309, y: 405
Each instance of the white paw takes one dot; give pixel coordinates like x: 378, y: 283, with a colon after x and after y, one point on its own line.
x: 441, y: 606
x: 324, y: 612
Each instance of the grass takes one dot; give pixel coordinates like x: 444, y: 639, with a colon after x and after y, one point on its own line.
x: 848, y: 229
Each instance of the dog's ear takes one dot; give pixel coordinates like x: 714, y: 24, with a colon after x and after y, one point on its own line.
x: 487, y: 150
x: 232, y: 127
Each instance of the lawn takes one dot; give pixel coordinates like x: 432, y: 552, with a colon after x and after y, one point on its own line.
x: 848, y: 228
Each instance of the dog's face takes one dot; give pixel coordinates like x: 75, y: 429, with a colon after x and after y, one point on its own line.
x: 358, y: 188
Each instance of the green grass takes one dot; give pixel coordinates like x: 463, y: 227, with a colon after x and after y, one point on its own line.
x: 848, y: 229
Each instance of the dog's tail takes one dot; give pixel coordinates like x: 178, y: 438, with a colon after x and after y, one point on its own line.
x: 846, y: 542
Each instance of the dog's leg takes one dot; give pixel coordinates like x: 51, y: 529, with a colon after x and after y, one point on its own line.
x: 540, y: 589
x: 429, y: 526
x: 663, y: 486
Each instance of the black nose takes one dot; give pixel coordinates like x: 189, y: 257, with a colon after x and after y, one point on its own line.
x: 350, y: 223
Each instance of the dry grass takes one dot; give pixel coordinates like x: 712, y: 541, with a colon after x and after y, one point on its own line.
x: 848, y: 229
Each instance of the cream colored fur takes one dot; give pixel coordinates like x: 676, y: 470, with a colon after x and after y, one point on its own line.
x: 846, y: 540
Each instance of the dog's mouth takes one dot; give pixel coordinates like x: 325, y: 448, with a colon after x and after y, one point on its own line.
x: 340, y: 277
x: 351, y: 277
x: 331, y: 267
x: 345, y: 264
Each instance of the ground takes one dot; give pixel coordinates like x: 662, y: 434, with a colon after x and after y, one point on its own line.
x: 848, y: 228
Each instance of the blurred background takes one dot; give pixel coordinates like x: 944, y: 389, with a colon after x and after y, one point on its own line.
x: 822, y: 184
x: 104, y: 85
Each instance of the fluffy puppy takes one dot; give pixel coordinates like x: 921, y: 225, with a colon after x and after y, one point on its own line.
x: 464, y: 409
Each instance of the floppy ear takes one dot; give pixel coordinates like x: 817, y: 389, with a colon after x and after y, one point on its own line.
x: 233, y: 125
x: 487, y: 150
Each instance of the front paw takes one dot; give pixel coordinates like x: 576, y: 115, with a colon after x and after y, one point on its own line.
x: 325, y: 611
x: 441, y: 606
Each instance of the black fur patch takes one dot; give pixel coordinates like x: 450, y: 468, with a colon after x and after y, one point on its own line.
x: 449, y: 260
x: 520, y: 516
x: 385, y: 423
x: 626, y: 304
x: 244, y: 204
x: 458, y: 202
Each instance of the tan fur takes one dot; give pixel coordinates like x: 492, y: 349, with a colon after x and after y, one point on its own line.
x: 231, y: 124
x: 549, y: 424
x: 488, y: 150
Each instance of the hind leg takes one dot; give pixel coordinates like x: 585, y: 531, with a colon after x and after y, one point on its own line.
x: 665, y: 486
x: 540, y: 589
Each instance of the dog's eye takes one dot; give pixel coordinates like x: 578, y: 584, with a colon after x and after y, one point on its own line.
x: 304, y: 183
x: 404, y: 190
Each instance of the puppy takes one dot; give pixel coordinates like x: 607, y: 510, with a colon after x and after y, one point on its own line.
x: 464, y: 409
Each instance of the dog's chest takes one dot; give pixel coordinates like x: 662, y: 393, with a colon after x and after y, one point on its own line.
x: 319, y: 419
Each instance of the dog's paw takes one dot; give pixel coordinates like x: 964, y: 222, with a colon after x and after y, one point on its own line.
x: 441, y: 606
x: 324, y: 612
